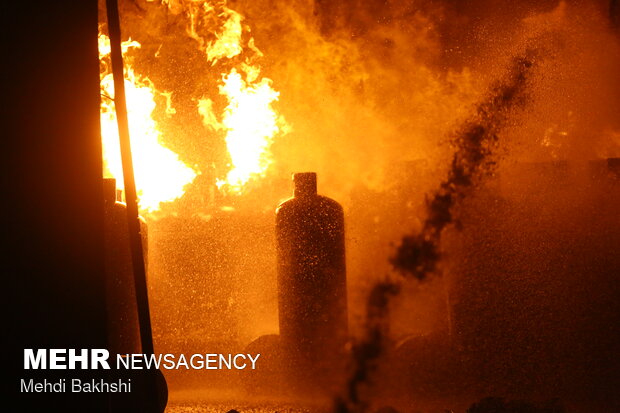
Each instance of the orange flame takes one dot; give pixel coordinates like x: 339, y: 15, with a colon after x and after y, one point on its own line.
x: 159, y: 173
x: 249, y: 121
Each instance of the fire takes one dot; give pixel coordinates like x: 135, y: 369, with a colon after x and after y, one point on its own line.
x: 250, y: 124
x: 249, y: 120
x: 159, y: 173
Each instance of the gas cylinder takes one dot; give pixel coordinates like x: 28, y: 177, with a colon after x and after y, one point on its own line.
x: 122, y: 311
x: 311, y: 281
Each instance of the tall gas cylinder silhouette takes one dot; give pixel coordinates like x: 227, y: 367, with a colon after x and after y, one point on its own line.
x: 122, y: 311
x: 311, y: 281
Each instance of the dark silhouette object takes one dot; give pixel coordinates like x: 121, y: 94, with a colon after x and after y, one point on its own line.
x: 155, y: 395
x: 311, y: 283
x: 122, y: 313
x: 499, y: 405
x: 133, y: 218
x: 122, y: 323
x: 53, y: 217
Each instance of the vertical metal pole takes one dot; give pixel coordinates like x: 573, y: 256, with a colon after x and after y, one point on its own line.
x: 133, y: 219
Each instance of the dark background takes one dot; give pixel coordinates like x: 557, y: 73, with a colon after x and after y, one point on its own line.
x: 53, y: 219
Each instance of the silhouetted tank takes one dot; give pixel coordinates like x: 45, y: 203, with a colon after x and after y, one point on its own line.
x: 311, y: 279
x: 121, y: 305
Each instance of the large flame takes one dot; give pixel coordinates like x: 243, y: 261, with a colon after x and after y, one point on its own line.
x: 250, y: 123
x: 159, y: 173
x: 249, y: 120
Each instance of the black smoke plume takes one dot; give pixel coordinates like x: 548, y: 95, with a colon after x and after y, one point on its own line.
x: 417, y: 256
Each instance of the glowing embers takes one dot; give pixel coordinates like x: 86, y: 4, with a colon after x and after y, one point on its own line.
x: 160, y: 175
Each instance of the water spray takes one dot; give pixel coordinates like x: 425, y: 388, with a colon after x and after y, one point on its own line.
x: 418, y: 255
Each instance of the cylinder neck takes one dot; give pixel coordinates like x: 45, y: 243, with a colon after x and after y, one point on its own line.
x: 305, y: 184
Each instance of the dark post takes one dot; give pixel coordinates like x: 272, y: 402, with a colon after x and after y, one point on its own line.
x: 122, y: 320
x: 153, y: 395
x: 133, y: 219
x: 53, y: 274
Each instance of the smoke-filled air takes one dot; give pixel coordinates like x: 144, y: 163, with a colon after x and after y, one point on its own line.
x: 472, y: 146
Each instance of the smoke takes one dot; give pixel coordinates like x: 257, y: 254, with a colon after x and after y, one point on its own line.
x: 576, y: 96
x: 369, y: 88
x: 549, y: 43
x: 361, y: 87
x: 418, y: 254
x: 366, y: 352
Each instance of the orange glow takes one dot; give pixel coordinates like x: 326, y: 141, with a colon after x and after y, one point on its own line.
x: 228, y: 43
x: 249, y: 120
x: 203, y: 15
x: 250, y: 123
x: 160, y: 175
